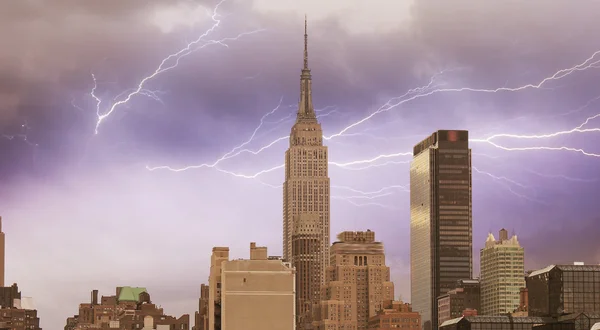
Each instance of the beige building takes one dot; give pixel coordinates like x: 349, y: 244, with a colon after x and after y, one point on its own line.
x: 306, y: 196
x: 357, y: 283
x: 502, y: 269
x: 255, y: 293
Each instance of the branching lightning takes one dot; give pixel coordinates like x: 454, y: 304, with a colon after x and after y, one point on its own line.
x: 168, y: 63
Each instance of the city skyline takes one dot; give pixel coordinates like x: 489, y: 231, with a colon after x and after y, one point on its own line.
x: 90, y: 197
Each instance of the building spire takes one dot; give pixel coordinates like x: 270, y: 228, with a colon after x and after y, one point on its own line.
x: 305, y: 43
x: 306, y: 111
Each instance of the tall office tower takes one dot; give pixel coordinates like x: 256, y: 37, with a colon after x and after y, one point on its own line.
x: 306, y: 257
x: 306, y: 186
x: 358, y: 283
x: 440, y: 220
x: 2, y: 254
x: 502, y: 269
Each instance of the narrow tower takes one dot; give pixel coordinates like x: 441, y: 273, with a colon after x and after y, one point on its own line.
x: 306, y: 195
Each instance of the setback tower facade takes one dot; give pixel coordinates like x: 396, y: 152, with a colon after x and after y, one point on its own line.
x: 306, y: 197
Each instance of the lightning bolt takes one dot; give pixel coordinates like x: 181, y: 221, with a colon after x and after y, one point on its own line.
x: 168, y: 63
x: 560, y: 176
x: 424, y: 91
x: 578, y: 129
x: 365, y: 204
x: 504, y: 180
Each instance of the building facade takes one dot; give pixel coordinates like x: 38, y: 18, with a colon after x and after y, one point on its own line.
x: 201, y: 316
x: 440, y: 220
x: 564, y: 289
x: 357, y: 283
x: 255, y: 293
x: 396, y: 314
x: 462, y: 301
x: 18, y: 318
x: 128, y: 309
x: 502, y: 269
x: 306, y: 257
x: 219, y: 255
x: 306, y: 192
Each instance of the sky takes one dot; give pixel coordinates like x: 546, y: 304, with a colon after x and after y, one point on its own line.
x: 107, y: 179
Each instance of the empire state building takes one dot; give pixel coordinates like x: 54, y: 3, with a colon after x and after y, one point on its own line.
x: 306, y: 200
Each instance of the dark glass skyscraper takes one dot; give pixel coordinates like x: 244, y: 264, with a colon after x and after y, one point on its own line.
x: 441, y: 225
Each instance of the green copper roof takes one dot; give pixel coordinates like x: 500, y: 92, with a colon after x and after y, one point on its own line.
x: 130, y: 294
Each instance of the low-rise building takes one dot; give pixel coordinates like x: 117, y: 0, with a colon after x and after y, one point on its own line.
x: 462, y: 301
x: 564, y: 289
x: 127, y: 309
x: 396, y: 314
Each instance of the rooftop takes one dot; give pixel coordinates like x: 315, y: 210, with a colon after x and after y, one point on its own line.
x: 577, y: 267
x: 501, y: 319
x: 128, y: 293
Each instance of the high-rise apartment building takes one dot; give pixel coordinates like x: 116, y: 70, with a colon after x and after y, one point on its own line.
x: 502, y: 269
x: 255, y: 293
x: 440, y: 220
x: 357, y: 283
x: 306, y: 196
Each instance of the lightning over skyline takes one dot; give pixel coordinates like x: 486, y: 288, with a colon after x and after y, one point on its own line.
x: 413, y: 94
x: 140, y: 134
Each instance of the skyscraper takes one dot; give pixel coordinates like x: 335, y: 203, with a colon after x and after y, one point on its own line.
x: 306, y: 186
x: 440, y: 220
x: 502, y: 269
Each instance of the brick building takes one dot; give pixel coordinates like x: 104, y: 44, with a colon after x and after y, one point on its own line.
x: 397, y: 314
x: 127, y: 309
